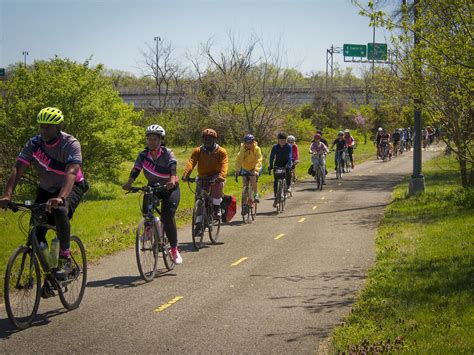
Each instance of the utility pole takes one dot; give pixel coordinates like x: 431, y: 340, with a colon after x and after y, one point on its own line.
x: 330, y: 61
x: 417, y: 181
x: 373, y: 54
x: 25, y: 53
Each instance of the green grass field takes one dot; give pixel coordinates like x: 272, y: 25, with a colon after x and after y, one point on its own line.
x: 106, y: 219
x: 419, y: 296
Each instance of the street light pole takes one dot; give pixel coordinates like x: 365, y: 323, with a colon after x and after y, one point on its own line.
x: 25, y: 53
x: 157, y: 40
x: 417, y: 181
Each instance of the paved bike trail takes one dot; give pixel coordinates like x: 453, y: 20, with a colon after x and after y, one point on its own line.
x: 278, y: 285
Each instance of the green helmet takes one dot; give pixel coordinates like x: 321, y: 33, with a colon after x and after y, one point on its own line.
x: 50, y: 115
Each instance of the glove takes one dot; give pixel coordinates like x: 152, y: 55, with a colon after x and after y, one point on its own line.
x: 184, y: 178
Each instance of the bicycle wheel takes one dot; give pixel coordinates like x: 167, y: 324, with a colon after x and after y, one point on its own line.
x: 22, y: 287
x: 213, y: 225
x: 166, y: 251
x: 283, y: 197
x: 72, y: 290
x: 319, y: 178
x: 339, y: 169
x: 146, y: 251
x: 278, y: 195
x: 197, y: 238
x: 245, y: 206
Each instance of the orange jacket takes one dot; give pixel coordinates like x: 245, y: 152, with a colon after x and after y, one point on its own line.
x: 208, y: 163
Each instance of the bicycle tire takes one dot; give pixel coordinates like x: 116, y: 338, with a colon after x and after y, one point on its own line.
x: 278, y: 196
x: 319, y: 178
x: 338, y: 169
x: 245, y: 212
x: 22, y: 322
x: 72, y: 290
x: 197, y: 239
x: 213, y: 226
x: 146, y: 252
x: 283, y: 197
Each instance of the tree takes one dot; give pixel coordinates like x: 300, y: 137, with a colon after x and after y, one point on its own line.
x: 94, y: 113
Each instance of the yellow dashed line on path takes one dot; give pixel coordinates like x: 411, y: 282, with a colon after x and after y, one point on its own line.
x: 314, y: 207
x: 330, y: 190
x: 339, y: 184
x: 239, y: 261
x: 301, y: 220
x: 281, y: 235
x: 168, y: 304
x: 323, y: 198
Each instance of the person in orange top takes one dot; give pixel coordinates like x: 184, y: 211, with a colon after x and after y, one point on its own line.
x: 212, y: 163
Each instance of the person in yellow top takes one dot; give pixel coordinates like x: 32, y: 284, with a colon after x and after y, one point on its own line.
x: 249, y: 162
x: 212, y: 163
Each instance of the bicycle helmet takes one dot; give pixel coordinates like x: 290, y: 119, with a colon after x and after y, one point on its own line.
x: 317, y: 136
x: 346, y: 131
x: 50, y: 115
x: 291, y: 139
x: 320, y: 132
x: 155, y: 129
x: 341, y: 133
x: 380, y: 129
x: 249, y: 138
x: 281, y: 135
x: 209, y: 132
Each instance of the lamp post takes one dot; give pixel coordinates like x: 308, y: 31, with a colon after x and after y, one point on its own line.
x: 417, y: 181
x: 25, y: 53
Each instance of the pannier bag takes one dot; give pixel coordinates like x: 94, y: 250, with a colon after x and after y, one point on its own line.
x: 229, y: 207
x: 311, y: 170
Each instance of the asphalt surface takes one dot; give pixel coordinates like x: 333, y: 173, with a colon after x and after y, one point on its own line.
x: 301, y: 274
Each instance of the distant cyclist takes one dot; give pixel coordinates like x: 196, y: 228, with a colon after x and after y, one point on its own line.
x: 212, y: 163
x: 340, y: 144
x: 317, y: 149
x: 295, y: 156
x: 57, y: 159
x: 350, y: 143
x: 396, y: 136
x: 280, y: 157
x: 159, y: 166
x: 378, y: 137
x: 249, y: 161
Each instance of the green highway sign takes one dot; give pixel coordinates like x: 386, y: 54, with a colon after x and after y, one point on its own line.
x: 354, y: 50
x: 2, y: 71
x: 380, y: 51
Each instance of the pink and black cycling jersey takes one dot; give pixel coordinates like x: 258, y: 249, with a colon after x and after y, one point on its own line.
x: 157, y: 170
x: 294, y: 152
x: 320, y: 148
x: 51, y: 160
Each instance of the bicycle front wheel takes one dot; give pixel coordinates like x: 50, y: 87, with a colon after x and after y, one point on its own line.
x: 72, y: 290
x: 320, y: 178
x: 166, y: 252
x: 198, y: 233
x: 213, y: 226
x: 22, y: 287
x: 146, y: 251
x: 245, y: 205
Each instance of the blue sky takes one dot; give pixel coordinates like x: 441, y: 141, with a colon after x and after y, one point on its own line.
x: 115, y: 32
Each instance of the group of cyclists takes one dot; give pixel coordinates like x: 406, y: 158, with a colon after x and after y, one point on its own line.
x: 57, y: 159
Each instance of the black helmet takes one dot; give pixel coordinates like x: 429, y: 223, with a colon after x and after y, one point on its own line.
x: 281, y: 135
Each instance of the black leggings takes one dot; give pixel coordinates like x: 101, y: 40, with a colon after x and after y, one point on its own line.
x: 169, y: 205
x: 60, y: 216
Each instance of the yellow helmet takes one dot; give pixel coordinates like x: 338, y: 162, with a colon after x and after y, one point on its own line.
x: 50, y: 115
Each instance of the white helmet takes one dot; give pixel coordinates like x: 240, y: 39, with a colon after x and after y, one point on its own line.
x: 291, y: 139
x: 155, y: 129
x: 380, y: 129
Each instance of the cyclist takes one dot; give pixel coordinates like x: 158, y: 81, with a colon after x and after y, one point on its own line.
x: 350, y: 143
x: 396, y: 141
x: 340, y: 144
x: 378, y: 136
x: 212, y: 163
x: 318, y: 148
x: 325, y: 142
x: 280, y: 157
x: 385, y: 140
x: 57, y: 159
x: 249, y: 161
x: 159, y: 166
x: 295, y: 156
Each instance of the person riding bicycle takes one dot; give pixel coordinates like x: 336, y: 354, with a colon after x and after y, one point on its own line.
x: 295, y: 156
x: 249, y: 162
x: 396, y: 136
x: 280, y: 157
x: 378, y: 137
x: 159, y: 166
x: 340, y: 144
x: 385, y: 141
x: 212, y: 163
x: 317, y: 149
x: 350, y: 143
x: 57, y: 159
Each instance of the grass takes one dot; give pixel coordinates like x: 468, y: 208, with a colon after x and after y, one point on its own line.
x: 418, y: 297
x: 106, y: 218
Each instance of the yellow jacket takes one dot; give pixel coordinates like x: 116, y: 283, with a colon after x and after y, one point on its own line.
x: 249, y: 159
x: 209, y: 163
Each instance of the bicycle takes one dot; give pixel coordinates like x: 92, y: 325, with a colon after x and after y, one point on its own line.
x: 249, y: 207
x: 22, y: 288
x: 339, y: 164
x: 384, y: 151
x: 291, y: 190
x: 347, y: 165
x: 150, y: 238
x: 318, y: 171
x: 280, y: 175
x: 203, y: 210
